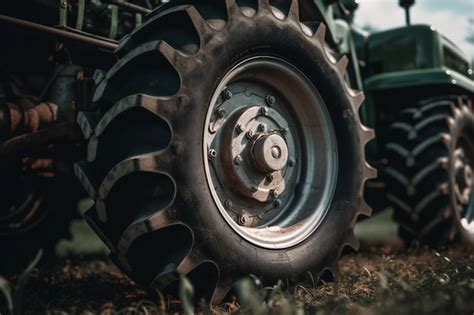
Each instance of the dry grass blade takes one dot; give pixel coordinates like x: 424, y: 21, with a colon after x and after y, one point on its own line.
x: 6, y: 290
x: 186, y: 293
x: 374, y: 281
x: 18, y: 294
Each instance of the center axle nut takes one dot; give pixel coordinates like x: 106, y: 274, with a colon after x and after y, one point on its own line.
x: 271, y: 153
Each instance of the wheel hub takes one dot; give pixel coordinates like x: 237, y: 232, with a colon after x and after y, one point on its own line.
x: 463, y: 177
x: 257, y: 145
x: 261, y: 162
x: 270, y: 153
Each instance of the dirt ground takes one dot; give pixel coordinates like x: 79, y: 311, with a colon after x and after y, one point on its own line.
x: 383, y: 278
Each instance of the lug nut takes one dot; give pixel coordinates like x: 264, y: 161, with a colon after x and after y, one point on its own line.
x: 212, y: 153
x: 239, y: 129
x: 270, y: 99
x: 262, y: 127
x: 221, y: 112
x: 264, y: 111
x: 238, y: 160
x: 274, y: 193
x: 243, y: 219
x: 227, y: 94
x: 254, y: 188
x: 277, y: 203
x: 228, y: 204
x: 291, y: 162
x: 270, y: 177
x: 250, y: 134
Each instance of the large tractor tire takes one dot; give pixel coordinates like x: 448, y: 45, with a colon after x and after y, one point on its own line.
x: 226, y: 143
x: 417, y: 174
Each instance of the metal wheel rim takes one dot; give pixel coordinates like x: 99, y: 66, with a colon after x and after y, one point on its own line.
x: 284, y: 94
x: 464, y: 158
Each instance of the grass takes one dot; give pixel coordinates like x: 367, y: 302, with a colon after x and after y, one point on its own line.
x: 383, y: 278
x: 378, y: 280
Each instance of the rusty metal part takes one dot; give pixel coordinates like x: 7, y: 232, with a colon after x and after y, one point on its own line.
x: 64, y: 33
x: 43, y: 167
x: 248, y: 129
x: 26, y: 117
x: 62, y: 132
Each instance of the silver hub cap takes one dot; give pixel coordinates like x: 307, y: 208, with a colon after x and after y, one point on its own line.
x: 270, y: 153
x: 463, y: 177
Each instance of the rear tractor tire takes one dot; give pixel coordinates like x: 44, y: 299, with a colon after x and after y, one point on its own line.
x: 422, y: 167
x: 214, y: 152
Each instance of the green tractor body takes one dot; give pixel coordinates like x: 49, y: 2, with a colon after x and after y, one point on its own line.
x: 411, y: 76
x: 408, y: 60
x: 404, y: 65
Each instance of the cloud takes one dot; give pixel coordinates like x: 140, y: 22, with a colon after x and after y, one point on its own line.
x: 451, y: 22
x: 462, y: 7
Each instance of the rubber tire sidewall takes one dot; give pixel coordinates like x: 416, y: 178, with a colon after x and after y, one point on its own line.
x: 220, y: 242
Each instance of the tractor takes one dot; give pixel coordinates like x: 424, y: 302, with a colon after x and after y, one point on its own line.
x: 224, y: 138
x: 419, y: 87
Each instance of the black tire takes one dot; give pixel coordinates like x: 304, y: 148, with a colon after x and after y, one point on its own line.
x: 48, y: 207
x: 145, y: 170
x: 416, y: 173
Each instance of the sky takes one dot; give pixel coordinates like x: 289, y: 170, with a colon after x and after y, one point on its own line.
x: 450, y: 17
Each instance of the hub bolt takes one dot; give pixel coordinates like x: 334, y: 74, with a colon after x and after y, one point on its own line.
x: 212, y: 153
x: 270, y: 99
x: 291, y: 162
x: 221, y: 112
x: 277, y: 203
x: 227, y: 94
x: 238, y: 160
x: 262, y: 127
x: 243, y: 219
x: 239, y: 129
x: 228, y: 204
x: 264, y: 111
x: 250, y: 134
x: 270, y: 177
